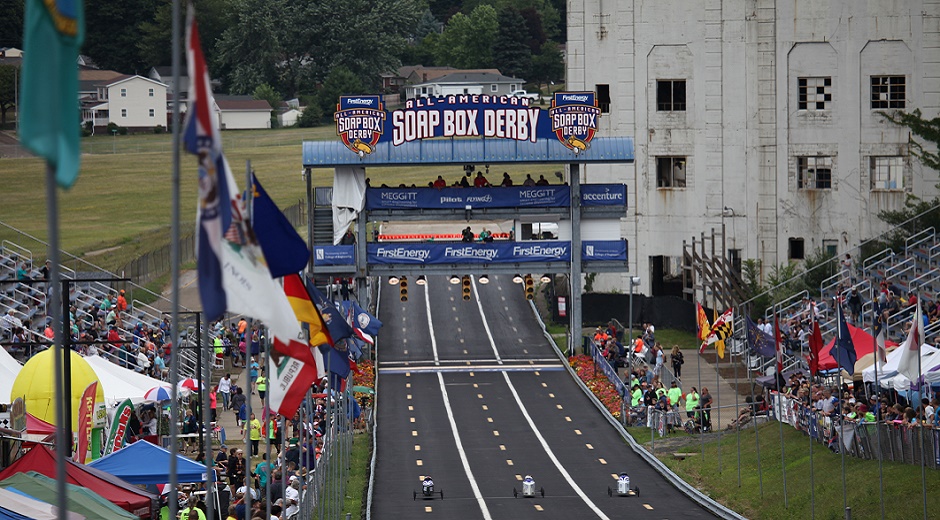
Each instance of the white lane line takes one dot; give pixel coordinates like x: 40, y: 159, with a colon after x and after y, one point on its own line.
x: 550, y: 453
x: 486, y: 326
x: 427, y: 303
x: 463, y: 455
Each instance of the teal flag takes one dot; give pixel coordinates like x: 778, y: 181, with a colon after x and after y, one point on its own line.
x: 49, y: 111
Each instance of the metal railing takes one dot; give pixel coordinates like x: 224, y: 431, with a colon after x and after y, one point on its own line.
x: 899, y: 442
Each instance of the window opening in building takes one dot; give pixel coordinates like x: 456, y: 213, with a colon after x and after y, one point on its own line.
x: 831, y: 247
x: 815, y: 94
x: 887, y: 92
x: 815, y: 173
x: 603, y: 97
x: 670, y: 172
x: 796, y: 248
x: 887, y: 173
x: 670, y: 95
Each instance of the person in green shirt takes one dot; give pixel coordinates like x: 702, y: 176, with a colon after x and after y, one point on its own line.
x: 191, y: 506
x: 675, y: 394
x: 254, y: 434
x: 636, y: 396
x: 262, y: 470
x: 691, y: 402
x: 262, y: 385
x: 660, y: 389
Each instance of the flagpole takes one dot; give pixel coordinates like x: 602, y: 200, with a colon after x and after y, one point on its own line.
x: 841, y: 319
x: 778, y: 345
x: 737, y: 410
x: 175, y: 263
x: 760, y: 474
x: 62, y: 443
x: 881, y: 481
x: 919, y: 322
x: 267, y: 441
x: 812, y: 470
x: 249, y: 333
x: 206, y: 415
x: 701, y: 409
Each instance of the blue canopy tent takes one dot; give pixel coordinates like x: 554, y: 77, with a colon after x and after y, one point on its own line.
x: 126, y: 464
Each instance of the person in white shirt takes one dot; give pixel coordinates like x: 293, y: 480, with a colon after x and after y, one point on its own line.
x: 10, y: 323
x: 143, y: 362
x: 292, y: 497
x: 225, y: 390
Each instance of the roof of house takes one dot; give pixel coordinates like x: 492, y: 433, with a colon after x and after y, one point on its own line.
x: 474, y: 78
x: 166, y: 71
x: 226, y: 103
x: 431, y: 73
x: 128, y: 77
x: 97, y: 75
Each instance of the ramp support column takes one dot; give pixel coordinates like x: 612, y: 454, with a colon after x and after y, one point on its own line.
x: 574, y: 277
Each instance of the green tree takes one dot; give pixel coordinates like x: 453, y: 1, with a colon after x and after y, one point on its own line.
x: 817, y: 267
x: 311, y: 116
x: 8, y: 77
x: 467, y: 41
x: 547, y: 66
x: 11, y: 24
x: 268, y: 93
x: 340, y: 82
x: 113, y: 32
x: 510, y: 53
x: 926, y: 129
x: 154, y: 41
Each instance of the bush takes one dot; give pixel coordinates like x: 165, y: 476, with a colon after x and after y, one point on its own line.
x: 112, y: 128
x: 159, y: 129
x: 311, y: 116
x: 122, y: 130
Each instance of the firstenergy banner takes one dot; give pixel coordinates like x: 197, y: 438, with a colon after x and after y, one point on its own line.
x: 461, y: 253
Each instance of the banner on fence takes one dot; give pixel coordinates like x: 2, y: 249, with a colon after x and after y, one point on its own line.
x: 551, y: 196
x: 460, y: 253
x: 608, y: 370
x: 604, y: 250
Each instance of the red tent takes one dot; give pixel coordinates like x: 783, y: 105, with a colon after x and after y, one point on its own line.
x: 42, y: 460
x: 864, y: 345
x: 37, y: 426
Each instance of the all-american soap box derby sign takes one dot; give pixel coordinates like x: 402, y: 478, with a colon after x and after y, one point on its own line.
x: 363, y: 123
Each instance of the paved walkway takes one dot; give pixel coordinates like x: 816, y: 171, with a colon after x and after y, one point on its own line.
x: 724, y: 407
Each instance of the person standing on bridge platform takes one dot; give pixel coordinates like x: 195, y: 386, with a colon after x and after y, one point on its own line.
x: 480, y: 181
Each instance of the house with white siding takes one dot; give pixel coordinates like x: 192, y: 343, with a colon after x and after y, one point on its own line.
x: 133, y: 102
x: 243, y: 112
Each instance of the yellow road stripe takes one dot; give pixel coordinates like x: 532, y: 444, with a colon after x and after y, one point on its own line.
x: 577, y: 432
x: 589, y: 446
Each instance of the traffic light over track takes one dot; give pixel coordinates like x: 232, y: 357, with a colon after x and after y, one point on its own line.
x: 465, y: 287
x: 529, y: 287
x: 403, y: 289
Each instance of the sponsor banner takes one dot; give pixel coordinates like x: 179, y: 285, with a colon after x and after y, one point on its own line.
x: 334, y: 255
x: 604, y: 250
x: 557, y: 196
x: 122, y: 414
x: 362, y: 122
x: 463, y: 253
x: 609, y: 371
x: 86, y: 412
x: 603, y: 195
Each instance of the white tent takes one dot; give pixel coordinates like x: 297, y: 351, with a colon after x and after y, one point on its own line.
x: 120, y: 383
x: 9, y: 369
x: 929, y: 359
x: 890, y: 369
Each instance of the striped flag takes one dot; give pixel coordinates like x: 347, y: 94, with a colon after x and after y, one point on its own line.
x: 909, y: 363
x: 721, y: 329
x: 701, y: 322
x: 306, y: 311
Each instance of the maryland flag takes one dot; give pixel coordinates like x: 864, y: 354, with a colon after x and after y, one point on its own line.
x: 721, y: 330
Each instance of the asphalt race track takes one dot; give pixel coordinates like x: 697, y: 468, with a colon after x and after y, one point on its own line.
x: 479, y: 406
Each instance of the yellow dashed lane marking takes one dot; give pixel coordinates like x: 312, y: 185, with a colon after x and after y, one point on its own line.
x: 419, y: 462
x: 486, y: 407
x: 551, y: 395
x: 519, y: 477
x: 489, y: 419
x: 479, y: 396
x: 577, y: 432
x: 502, y: 447
x: 412, y: 419
x: 509, y: 462
x: 544, y: 385
x: 567, y: 418
x: 405, y: 352
x: 556, y: 406
x: 613, y: 476
x: 602, y: 461
x: 408, y: 397
x: 471, y: 374
x: 537, y: 372
x: 538, y: 508
x: 589, y: 446
x: 495, y: 433
x: 411, y: 408
x: 417, y: 447
x: 407, y: 374
x: 465, y: 351
x: 427, y: 509
x: 476, y: 385
x: 647, y: 506
x: 525, y: 351
x: 407, y: 385
x: 414, y: 433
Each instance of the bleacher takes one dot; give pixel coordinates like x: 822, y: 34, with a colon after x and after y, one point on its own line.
x: 916, y: 268
x: 29, y: 303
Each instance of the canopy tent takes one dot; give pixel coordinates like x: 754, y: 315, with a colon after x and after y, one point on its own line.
x: 890, y: 368
x: 28, y: 507
x: 126, y: 464
x: 929, y: 364
x: 42, y: 460
x: 81, y: 500
x: 9, y: 369
x: 121, y: 383
x: 38, y: 426
x: 864, y: 347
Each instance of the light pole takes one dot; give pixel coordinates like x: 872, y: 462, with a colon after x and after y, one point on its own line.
x: 634, y: 281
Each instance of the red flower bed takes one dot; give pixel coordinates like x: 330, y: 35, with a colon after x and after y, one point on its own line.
x: 367, y: 377
x: 597, y: 382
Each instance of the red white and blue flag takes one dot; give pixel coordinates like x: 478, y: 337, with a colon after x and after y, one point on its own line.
x: 214, y: 212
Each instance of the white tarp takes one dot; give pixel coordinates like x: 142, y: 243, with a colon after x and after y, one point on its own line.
x: 120, y: 383
x: 889, y: 369
x: 349, y: 198
x: 929, y: 359
x: 9, y: 369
